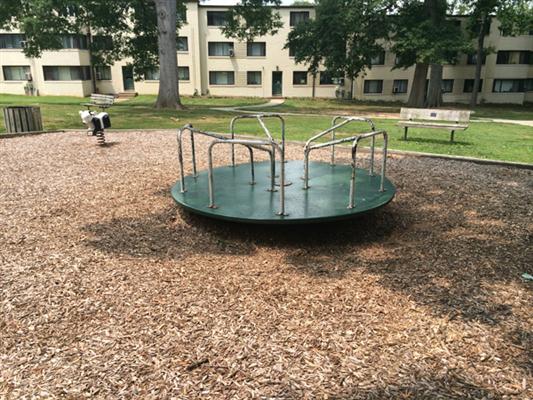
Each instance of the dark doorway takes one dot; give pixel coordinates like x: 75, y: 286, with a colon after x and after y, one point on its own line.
x: 127, y: 78
x: 277, y: 83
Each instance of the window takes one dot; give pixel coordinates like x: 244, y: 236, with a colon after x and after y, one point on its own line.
x: 182, y: 43
x: 299, y: 78
x: 67, y: 73
x: 471, y: 59
x: 152, y: 75
x: 11, y: 41
x: 514, y: 57
x: 220, y: 48
x: 399, y: 86
x: 509, y: 85
x: 256, y: 49
x: 378, y: 60
x: 183, y: 74
x: 298, y: 16
x: 528, y: 86
x: 103, y: 73
x: 291, y: 51
x: 469, y: 85
x: 216, y: 18
x: 253, y: 77
x: 221, y: 78
x: 16, y: 72
x: 446, y: 85
x: 326, y: 78
x: 373, y: 86
x: 74, y: 42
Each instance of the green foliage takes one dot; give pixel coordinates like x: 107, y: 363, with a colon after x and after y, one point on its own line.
x: 423, y: 34
x: 120, y: 28
x: 344, y: 36
x: 305, y: 41
x: 252, y: 18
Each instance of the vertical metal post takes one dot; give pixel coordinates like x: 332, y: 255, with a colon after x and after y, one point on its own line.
x: 272, y: 170
x: 351, y: 202
x: 282, y: 184
x: 251, y: 165
x: 372, y: 147
x: 306, y: 169
x: 180, y: 160
x: 210, y: 176
x: 194, y: 173
x: 232, y: 128
x: 384, y: 161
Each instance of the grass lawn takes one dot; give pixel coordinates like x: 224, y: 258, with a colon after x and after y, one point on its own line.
x: 482, y: 139
x: 330, y: 106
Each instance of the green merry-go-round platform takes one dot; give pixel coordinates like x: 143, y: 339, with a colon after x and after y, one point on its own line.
x: 279, y: 191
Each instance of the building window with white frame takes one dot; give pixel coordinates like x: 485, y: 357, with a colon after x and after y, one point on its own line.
x: 298, y: 16
x: 256, y: 49
x: 74, y: 42
x: 253, y: 78
x: 399, y: 86
x: 182, y: 43
x: 11, y: 41
x: 67, y: 73
x: 509, y: 85
x: 152, y: 75
x: 468, y: 86
x: 183, y: 74
x: 326, y: 78
x: 446, y: 86
x: 373, y: 86
x: 299, y: 78
x: 16, y: 72
x: 378, y: 59
x: 221, y: 78
x: 219, y: 49
x: 103, y: 72
x: 217, y: 18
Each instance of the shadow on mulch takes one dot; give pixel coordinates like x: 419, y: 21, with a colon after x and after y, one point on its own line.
x: 424, y: 386
x: 382, y: 243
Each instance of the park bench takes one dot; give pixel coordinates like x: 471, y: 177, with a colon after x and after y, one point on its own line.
x: 102, y: 101
x: 452, y: 120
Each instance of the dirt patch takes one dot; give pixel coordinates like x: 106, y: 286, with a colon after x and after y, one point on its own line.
x: 108, y: 290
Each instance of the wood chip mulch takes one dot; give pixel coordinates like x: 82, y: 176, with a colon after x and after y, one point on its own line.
x: 108, y: 290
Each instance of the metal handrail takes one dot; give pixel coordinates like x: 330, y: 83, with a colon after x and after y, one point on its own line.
x: 253, y: 144
x: 355, y: 141
x: 271, y: 147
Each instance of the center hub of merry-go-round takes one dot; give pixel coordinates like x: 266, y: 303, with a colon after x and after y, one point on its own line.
x: 278, y: 191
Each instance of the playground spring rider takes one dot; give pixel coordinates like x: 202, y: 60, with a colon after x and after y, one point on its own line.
x: 96, y: 124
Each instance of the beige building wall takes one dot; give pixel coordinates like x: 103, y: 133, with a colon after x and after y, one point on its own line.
x: 276, y: 60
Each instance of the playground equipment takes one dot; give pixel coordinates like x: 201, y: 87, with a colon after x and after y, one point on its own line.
x: 274, y: 191
x: 97, y: 122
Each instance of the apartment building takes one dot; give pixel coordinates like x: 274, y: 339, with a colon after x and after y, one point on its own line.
x: 210, y: 63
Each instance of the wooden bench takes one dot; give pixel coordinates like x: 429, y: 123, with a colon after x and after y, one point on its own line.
x: 452, y: 120
x: 102, y: 101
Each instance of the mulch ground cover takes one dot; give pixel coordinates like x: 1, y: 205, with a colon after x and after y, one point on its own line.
x: 109, y: 290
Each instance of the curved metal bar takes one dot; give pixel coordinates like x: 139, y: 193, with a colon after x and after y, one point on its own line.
x: 189, y: 128
x: 351, y: 118
x: 258, y: 144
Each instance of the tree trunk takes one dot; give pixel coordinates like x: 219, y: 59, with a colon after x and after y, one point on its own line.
x: 434, y: 98
x: 168, y: 95
x: 479, y: 60
x: 417, y: 96
x: 91, y: 61
x: 314, y: 85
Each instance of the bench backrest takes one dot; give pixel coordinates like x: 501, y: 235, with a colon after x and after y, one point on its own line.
x: 434, y: 114
x: 102, y: 99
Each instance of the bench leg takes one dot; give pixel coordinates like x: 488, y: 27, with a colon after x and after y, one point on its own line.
x: 405, y: 133
x: 451, y: 136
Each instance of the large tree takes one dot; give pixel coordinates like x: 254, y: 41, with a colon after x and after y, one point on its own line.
x: 423, y: 36
x: 515, y: 17
x: 114, y: 29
